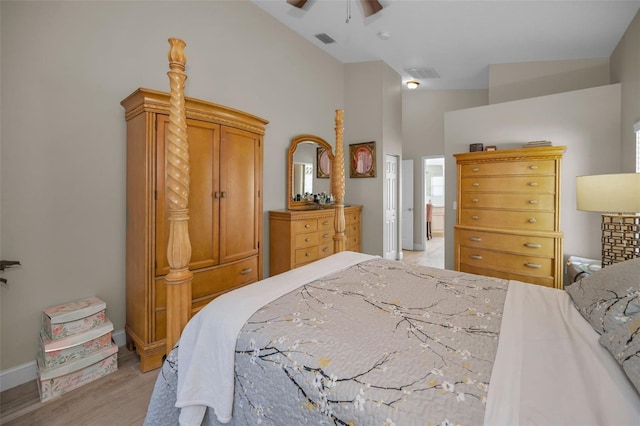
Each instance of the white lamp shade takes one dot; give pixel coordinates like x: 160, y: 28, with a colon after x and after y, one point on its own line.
x: 614, y: 193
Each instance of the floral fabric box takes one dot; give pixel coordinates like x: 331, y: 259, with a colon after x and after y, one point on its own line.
x: 57, y: 352
x: 56, y: 381
x: 74, y: 317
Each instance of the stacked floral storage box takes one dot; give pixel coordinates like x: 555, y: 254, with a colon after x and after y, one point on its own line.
x: 75, y: 347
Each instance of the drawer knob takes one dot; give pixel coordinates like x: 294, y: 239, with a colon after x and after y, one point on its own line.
x: 476, y: 184
x: 475, y: 256
x: 533, y: 183
x: 532, y: 220
x: 533, y: 265
x: 326, y: 222
x: 475, y: 169
x: 533, y: 201
x: 246, y: 271
x: 307, y: 254
x: 532, y: 245
x: 325, y: 236
x: 306, y: 240
x: 474, y: 217
x: 325, y: 249
x: 307, y: 226
x: 475, y: 200
x: 476, y: 239
x: 533, y: 167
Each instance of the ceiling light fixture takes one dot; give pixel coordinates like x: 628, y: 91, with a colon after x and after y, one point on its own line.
x: 412, y: 84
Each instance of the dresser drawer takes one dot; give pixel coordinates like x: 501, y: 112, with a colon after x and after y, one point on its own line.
x: 309, y: 225
x: 533, y: 201
x: 325, y: 250
x: 544, y: 281
x: 351, y: 218
x: 510, y: 263
x: 306, y: 240
x: 306, y: 255
x: 325, y: 237
x: 325, y: 223
x: 521, y: 244
x: 528, y: 184
x: 503, y: 219
x: 546, y: 167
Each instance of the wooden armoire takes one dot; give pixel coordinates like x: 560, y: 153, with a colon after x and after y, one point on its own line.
x: 225, y: 210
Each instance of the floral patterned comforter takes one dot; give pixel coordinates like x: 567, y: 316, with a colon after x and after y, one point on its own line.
x: 380, y: 343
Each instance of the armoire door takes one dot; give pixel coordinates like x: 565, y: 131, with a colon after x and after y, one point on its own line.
x: 203, y: 204
x: 240, y: 183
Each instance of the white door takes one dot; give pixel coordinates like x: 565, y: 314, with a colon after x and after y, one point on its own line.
x: 391, y: 207
x: 407, y: 204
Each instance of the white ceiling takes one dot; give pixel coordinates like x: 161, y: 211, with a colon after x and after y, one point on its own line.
x: 460, y: 39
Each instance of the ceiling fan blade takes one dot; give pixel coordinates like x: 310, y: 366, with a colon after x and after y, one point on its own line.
x: 370, y: 7
x: 297, y: 3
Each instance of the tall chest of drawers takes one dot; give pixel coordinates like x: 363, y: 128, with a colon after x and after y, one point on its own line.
x: 298, y: 237
x: 508, y: 216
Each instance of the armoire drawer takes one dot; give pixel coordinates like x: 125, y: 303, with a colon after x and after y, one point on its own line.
x: 503, y: 184
x: 515, y: 201
x: 545, y: 167
x: 511, y: 263
x: 515, y: 243
x: 504, y: 219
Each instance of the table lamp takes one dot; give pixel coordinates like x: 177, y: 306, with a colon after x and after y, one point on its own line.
x: 617, y: 197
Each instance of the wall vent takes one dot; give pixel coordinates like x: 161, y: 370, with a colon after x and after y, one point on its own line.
x: 323, y: 37
x: 422, y: 73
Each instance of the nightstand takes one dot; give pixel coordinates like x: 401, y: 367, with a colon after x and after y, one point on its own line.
x: 580, y: 267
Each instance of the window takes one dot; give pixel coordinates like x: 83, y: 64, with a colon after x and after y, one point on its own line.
x: 636, y: 128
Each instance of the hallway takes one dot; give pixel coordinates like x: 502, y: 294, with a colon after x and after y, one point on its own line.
x: 433, y: 255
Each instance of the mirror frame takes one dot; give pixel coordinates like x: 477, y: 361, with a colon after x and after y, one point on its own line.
x: 301, y: 205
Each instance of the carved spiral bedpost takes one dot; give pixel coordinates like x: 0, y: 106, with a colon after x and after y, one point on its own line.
x: 178, y: 280
x: 337, y: 187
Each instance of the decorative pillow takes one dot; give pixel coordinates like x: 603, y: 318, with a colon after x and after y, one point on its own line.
x: 609, y: 296
x: 624, y: 344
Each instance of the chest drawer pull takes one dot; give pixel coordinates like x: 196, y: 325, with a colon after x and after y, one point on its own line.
x: 533, y: 183
x: 307, y: 254
x: 532, y: 220
x: 533, y: 265
x: 307, y: 226
x: 246, y: 271
x: 533, y: 167
x: 306, y: 240
x: 475, y: 200
x: 326, y: 249
x: 325, y: 236
x: 533, y: 201
x: 476, y: 184
x: 475, y: 256
x: 475, y: 169
x: 477, y: 239
x: 532, y: 245
x: 326, y: 222
x: 474, y: 217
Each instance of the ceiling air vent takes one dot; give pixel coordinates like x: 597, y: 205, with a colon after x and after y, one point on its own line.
x: 422, y: 73
x: 323, y: 37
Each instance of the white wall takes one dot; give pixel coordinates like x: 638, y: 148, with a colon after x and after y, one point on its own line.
x: 586, y: 121
x: 513, y: 81
x: 65, y: 68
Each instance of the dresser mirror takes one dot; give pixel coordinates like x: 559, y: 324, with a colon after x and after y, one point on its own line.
x: 309, y: 170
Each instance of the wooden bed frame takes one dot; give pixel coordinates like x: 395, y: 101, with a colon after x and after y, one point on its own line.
x: 178, y: 280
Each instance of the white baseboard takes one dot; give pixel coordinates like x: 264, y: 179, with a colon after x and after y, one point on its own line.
x: 24, y: 373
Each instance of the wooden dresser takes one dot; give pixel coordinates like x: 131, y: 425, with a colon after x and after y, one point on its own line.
x: 297, y: 237
x: 225, y: 210
x: 508, y: 217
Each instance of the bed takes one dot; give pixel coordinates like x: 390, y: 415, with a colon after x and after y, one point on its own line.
x: 356, y: 339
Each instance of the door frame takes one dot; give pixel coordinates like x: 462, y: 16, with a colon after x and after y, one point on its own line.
x: 423, y: 203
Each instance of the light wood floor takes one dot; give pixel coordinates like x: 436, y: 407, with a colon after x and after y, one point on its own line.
x: 120, y: 398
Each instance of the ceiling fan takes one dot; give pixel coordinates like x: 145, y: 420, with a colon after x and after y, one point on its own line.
x: 369, y: 7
